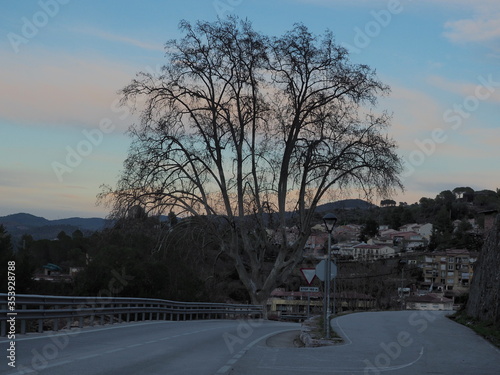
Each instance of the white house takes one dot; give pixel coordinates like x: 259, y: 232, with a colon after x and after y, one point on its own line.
x: 424, y: 230
x: 431, y: 301
x: 369, y: 252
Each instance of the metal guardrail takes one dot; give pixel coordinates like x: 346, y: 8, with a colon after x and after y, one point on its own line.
x: 49, y: 311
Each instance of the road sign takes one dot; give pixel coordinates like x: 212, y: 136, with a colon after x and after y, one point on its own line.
x: 308, y: 289
x: 321, y: 270
x: 309, y: 274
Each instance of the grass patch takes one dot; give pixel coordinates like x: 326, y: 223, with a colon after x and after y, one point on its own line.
x: 317, y: 330
x: 487, y: 329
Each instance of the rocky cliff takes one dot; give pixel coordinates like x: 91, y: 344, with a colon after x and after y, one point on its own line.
x: 484, y: 297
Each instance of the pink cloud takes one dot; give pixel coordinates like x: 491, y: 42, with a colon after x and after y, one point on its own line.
x: 481, y: 28
x: 41, y: 88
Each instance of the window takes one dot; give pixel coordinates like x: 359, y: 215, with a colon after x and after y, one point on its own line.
x: 450, y: 267
x: 451, y: 260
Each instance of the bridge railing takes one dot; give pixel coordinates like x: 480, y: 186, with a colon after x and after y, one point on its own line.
x: 36, y: 313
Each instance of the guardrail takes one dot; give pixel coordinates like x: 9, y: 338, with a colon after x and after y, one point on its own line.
x: 39, y: 313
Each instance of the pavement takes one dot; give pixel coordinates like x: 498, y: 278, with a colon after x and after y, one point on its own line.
x: 290, y: 339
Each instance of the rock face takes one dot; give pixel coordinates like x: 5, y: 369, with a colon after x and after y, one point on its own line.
x: 484, y: 296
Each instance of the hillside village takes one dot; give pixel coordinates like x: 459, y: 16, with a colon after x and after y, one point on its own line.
x: 428, y: 280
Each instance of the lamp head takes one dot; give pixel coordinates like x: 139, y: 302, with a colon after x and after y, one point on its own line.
x: 329, y: 220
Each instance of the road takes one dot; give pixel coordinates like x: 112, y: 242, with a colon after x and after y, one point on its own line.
x: 157, y: 347
x: 392, y: 343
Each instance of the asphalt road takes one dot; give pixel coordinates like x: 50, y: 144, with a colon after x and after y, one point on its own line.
x: 158, y: 347
x: 392, y: 343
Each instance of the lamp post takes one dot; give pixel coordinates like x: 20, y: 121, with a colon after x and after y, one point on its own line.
x: 329, y: 220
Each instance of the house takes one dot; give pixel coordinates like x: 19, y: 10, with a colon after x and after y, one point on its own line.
x: 346, y: 249
x: 413, y: 227
x: 424, y: 230
x: 367, y: 252
x: 431, y: 301
x: 387, y: 232
x: 408, y: 241
x: 284, y: 302
x: 315, y: 245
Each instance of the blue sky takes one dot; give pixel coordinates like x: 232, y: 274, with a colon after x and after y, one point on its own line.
x: 63, y: 61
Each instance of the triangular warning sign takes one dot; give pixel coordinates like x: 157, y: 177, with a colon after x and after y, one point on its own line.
x: 309, y: 274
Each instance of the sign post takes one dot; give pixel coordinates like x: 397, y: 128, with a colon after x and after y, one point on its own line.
x: 309, y: 289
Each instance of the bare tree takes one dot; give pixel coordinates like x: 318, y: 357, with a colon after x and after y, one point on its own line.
x: 240, y: 128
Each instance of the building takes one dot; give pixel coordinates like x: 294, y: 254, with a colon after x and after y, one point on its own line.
x: 429, y: 301
x: 408, y: 241
x: 286, y: 303
x: 371, y: 252
x: 316, y: 245
x: 447, y: 270
x: 424, y: 230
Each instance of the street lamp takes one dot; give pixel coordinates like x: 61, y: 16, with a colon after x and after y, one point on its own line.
x: 329, y: 220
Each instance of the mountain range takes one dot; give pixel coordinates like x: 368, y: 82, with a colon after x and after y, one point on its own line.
x: 40, y: 228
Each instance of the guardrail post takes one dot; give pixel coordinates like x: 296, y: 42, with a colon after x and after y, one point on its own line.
x: 119, y: 313
x: 112, y: 316
x: 92, y: 315
x: 56, y: 321
x: 40, y: 321
x: 102, y: 314
x: 3, y: 328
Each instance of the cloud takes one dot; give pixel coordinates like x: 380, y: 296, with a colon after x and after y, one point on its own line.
x: 480, y: 28
x: 42, y: 88
x: 410, y: 121
x: 486, y: 88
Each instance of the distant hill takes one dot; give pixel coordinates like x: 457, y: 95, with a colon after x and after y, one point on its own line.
x: 41, y: 228
x: 346, y: 204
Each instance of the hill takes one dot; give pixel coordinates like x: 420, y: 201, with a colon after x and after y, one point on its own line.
x: 346, y: 204
x: 40, y: 228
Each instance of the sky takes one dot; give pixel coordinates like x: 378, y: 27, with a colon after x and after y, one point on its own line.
x: 62, y: 63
